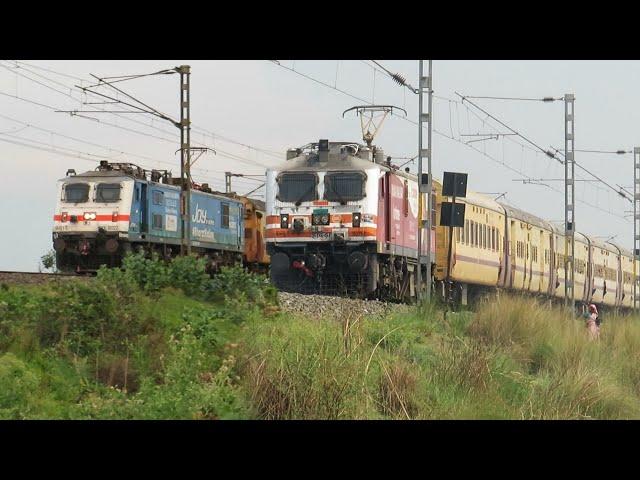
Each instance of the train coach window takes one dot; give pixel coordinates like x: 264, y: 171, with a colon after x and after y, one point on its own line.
x: 76, y: 192
x: 297, y: 187
x: 472, y: 229
x: 345, y: 186
x: 466, y: 232
x: 108, y: 192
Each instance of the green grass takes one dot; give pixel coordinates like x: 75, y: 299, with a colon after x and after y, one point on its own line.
x: 119, y: 348
x: 513, y: 359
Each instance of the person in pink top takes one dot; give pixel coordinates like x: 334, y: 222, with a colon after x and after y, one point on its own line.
x: 592, y: 323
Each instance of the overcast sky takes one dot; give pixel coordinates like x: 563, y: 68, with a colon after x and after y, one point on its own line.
x: 265, y: 108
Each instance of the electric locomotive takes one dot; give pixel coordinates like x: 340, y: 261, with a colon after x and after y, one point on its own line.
x: 118, y: 208
x: 341, y: 219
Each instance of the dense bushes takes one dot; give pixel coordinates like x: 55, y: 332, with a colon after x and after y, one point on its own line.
x: 151, y: 275
x: 128, y: 344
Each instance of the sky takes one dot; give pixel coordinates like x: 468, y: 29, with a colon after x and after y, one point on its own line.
x: 251, y: 112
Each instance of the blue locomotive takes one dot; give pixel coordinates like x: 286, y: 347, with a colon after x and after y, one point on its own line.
x: 102, y: 215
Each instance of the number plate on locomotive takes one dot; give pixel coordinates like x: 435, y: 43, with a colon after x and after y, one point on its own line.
x: 321, y: 235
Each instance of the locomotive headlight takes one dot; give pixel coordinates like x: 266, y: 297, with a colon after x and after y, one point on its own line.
x: 64, y: 217
x: 355, y: 220
x: 89, y: 216
x: 284, y: 220
x: 325, y: 219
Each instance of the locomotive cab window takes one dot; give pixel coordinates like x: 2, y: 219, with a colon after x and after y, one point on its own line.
x: 108, y: 192
x: 344, y: 186
x: 297, y: 187
x: 76, y: 192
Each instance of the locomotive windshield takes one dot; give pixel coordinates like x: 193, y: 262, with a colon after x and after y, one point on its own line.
x: 297, y: 187
x: 108, y: 192
x: 344, y: 186
x: 76, y: 192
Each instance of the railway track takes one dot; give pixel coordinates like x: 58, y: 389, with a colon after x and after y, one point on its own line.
x: 33, y: 277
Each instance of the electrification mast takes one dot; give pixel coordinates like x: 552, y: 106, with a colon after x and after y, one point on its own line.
x: 636, y: 227
x: 569, y: 201
x: 425, y: 83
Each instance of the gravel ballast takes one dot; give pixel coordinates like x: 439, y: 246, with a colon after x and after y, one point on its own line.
x: 326, y: 307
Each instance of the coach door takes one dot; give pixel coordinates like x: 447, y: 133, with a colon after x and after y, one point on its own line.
x: 503, y: 253
x: 139, y: 210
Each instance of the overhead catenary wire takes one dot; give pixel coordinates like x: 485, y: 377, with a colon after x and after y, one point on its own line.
x: 439, y: 133
x: 50, y: 107
x: 543, y: 99
x: 74, y: 153
x: 105, y: 147
x: 174, y: 134
x: 547, y: 152
x: 194, y: 127
x: 455, y: 139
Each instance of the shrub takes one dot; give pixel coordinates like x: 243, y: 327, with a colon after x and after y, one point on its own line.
x: 236, y: 283
x: 188, y: 274
x: 17, y: 384
x: 191, y: 386
x: 48, y: 261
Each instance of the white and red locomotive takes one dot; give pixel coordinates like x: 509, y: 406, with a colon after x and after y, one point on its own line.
x: 342, y: 219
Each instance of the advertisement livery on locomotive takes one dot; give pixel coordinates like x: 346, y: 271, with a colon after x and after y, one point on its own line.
x: 101, y: 215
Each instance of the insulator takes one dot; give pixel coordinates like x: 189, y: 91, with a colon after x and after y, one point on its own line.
x: 399, y: 79
x: 548, y: 99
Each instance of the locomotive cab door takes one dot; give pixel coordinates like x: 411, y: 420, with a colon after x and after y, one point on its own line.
x: 143, y: 222
x: 138, y: 210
